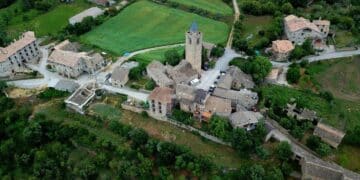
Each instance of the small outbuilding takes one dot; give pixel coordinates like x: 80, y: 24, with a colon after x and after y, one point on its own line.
x: 281, y: 49
x: 91, y: 12
x: 329, y: 134
x: 119, y: 77
x: 245, y: 119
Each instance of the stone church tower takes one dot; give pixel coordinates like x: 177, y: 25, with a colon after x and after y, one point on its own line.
x: 193, y: 47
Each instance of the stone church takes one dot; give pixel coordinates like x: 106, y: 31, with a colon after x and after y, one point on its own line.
x: 193, y: 47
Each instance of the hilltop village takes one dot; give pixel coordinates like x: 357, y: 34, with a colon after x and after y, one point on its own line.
x: 179, y: 89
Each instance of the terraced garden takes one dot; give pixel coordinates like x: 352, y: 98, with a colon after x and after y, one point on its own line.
x: 145, y: 24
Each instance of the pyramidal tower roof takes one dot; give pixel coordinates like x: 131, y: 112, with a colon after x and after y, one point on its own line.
x: 194, y: 27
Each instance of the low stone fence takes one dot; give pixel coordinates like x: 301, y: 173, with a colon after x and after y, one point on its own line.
x: 129, y: 107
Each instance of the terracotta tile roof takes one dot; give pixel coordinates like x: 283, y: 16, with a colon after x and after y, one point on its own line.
x: 282, y: 46
x: 26, y: 39
x: 66, y: 58
x: 162, y: 94
x: 322, y: 22
x: 218, y: 105
x: 294, y: 23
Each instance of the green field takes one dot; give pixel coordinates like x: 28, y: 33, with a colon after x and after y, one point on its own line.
x: 213, y: 6
x: 43, y: 24
x: 254, y: 24
x: 145, y: 24
x: 158, y: 55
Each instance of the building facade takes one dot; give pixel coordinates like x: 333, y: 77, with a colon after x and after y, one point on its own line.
x: 72, y: 64
x: 299, y: 29
x: 120, y: 77
x: 14, y: 56
x: 162, y: 100
x: 281, y: 49
x: 193, y: 47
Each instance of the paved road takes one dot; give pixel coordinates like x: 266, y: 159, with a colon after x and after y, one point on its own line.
x: 209, y: 77
x: 322, y: 57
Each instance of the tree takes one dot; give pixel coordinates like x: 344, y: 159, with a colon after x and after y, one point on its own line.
x: 138, y: 137
x: 274, y: 174
x: 260, y: 68
x: 283, y: 151
x: 313, y: 142
x: 241, y: 142
x: 3, y: 86
x: 220, y: 127
x: 353, y: 136
x: 256, y: 172
x: 287, y: 8
x: 217, y: 51
x: 172, y: 57
x: 297, y: 53
x: 323, y: 149
x: 293, y: 75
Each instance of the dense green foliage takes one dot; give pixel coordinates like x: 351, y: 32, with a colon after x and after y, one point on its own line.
x: 51, y: 93
x: 293, y: 74
x: 301, y: 51
x: 283, y: 151
x: 6, y: 3
x: 217, y: 51
x: 172, y: 57
x: 182, y: 116
x: 259, y: 67
x: 315, y: 143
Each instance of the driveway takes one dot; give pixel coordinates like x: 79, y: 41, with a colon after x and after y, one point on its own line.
x: 127, y: 91
x: 222, y: 64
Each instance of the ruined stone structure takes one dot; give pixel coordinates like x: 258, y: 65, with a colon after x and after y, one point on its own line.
x: 193, y: 47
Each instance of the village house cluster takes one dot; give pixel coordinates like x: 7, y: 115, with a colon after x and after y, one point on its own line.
x: 177, y: 86
x: 297, y: 31
x: 67, y: 61
x: 21, y: 51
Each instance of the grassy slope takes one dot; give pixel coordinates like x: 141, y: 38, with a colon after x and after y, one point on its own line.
x: 223, y: 156
x: 253, y: 24
x: 145, y: 24
x: 156, y: 55
x: 213, y: 6
x: 44, y: 24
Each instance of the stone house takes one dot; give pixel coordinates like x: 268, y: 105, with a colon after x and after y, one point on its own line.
x: 245, y: 119
x: 162, y: 100
x: 235, y: 79
x: 281, y: 49
x: 329, y: 134
x: 185, y: 95
x: 157, y: 71
x: 72, y: 64
x: 218, y: 106
x: 14, y: 56
x: 244, y: 97
x: 182, y: 73
x: 298, y: 29
x: 119, y: 77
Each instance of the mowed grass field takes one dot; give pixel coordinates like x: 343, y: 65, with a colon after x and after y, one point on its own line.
x: 213, y: 6
x: 145, y: 24
x: 43, y: 24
